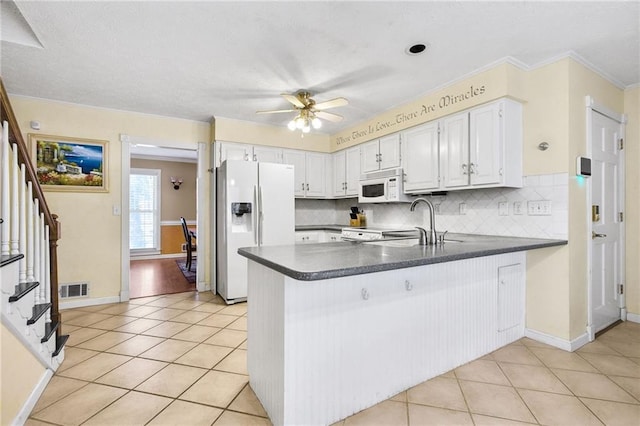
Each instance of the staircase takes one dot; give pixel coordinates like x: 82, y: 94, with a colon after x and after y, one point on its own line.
x: 28, y: 259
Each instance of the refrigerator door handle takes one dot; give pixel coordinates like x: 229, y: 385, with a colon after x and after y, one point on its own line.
x: 260, y: 215
x: 256, y: 209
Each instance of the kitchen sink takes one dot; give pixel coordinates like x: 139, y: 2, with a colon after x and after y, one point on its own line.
x: 404, y: 242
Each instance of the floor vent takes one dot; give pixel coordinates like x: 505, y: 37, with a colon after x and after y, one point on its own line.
x: 74, y: 290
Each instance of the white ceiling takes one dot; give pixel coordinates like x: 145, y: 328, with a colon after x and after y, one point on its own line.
x: 196, y: 60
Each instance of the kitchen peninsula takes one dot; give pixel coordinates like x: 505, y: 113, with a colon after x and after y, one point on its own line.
x: 334, y: 328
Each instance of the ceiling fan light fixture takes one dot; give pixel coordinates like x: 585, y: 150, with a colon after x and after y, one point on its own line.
x: 316, y: 123
x: 292, y: 125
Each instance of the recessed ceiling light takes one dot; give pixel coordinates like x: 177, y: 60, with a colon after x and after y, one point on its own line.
x: 416, y: 49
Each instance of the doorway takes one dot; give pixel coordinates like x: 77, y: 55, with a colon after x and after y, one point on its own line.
x: 606, y: 218
x: 156, y: 270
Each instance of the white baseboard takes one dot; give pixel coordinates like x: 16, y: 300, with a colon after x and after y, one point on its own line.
x: 88, y: 302
x: 26, y: 409
x: 633, y: 317
x: 557, y: 342
x: 159, y: 256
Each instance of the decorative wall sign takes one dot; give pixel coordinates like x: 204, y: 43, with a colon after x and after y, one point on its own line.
x: 70, y: 164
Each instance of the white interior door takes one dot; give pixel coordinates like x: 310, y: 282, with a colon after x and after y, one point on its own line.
x: 606, y: 190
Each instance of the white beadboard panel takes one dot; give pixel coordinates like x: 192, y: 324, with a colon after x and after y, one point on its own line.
x: 320, y: 351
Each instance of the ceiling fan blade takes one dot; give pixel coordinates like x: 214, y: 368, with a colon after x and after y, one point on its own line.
x: 276, y: 111
x: 329, y: 116
x: 333, y: 103
x: 294, y: 100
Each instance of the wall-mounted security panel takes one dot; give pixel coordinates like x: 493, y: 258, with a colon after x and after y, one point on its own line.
x: 583, y: 166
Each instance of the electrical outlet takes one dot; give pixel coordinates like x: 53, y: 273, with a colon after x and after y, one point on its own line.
x: 503, y: 209
x: 463, y: 208
x: 436, y: 208
x: 539, y: 208
x: 517, y: 207
x: 116, y: 210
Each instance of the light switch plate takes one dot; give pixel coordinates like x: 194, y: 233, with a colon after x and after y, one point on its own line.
x: 517, y: 208
x: 539, y: 208
x: 503, y: 209
x: 463, y: 208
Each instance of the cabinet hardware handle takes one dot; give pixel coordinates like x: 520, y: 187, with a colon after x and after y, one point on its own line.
x: 303, y: 186
x: 307, y: 187
x: 472, y: 168
x: 365, y: 294
x: 464, y: 169
x: 408, y: 285
x: 594, y: 235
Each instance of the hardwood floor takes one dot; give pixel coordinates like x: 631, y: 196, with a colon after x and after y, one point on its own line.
x: 154, y: 277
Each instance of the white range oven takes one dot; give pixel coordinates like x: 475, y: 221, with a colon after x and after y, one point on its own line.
x: 384, y: 186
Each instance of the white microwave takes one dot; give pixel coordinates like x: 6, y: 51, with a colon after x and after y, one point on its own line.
x: 384, y: 186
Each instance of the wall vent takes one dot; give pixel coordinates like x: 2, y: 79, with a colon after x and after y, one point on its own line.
x: 74, y: 290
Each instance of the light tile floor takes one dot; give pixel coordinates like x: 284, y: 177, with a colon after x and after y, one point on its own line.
x: 180, y: 359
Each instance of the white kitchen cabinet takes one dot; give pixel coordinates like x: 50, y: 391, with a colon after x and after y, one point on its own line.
x: 477, y: 148
x: 246, y: 152
x: 267, y: 154
x: 312, y: 173
x: 304, y: 237
x: 495, y: 144
x: 233, y: 151
x: 346, y: 172
x: 383, y: 153
x: 454, y: 151
x: 511, y: 296
x: 420, y: 158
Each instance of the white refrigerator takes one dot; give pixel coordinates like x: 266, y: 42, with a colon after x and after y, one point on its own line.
x: 255, y: 207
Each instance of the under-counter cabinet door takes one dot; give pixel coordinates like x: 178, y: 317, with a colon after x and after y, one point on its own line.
x: 454, y: 151
x: 266, y: 154
x: 369, y: 157
x: 420, y: 158
x: 510, y: 296
x: 486, y: 145
x: 297, y: 158
x: 390, y: 151
x: 316, y: 175
x: 339, y: 173
x: 352, y: 170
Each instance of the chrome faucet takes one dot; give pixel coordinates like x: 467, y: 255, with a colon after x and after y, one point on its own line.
x: 431, y: 238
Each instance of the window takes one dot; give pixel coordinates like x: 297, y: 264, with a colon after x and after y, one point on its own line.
x: 144, y: 211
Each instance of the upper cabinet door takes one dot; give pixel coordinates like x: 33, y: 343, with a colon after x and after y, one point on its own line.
x: 266, y: 154
x: 352, y: 171
x: 316, y: 175
x: 339, y: 174
x: 420, y: 158
x: 234, y: 151
x: 389, y: 151
x: 369, y: 155
x: 486, y: 145
x: 297, y: 158
x: 454, y: 151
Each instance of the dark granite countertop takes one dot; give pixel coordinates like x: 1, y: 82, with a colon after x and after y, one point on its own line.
x: 310, y: 262
x: 330, y: 227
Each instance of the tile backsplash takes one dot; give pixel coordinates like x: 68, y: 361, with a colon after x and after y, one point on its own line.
x: 538, y: 210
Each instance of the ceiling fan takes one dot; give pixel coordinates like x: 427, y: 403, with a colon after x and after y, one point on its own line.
x: 309, y: 112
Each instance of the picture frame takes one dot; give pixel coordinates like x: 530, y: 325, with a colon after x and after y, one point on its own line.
x: 70, y: 164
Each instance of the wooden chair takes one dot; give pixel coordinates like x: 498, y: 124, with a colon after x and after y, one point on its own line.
x: 189, y: 236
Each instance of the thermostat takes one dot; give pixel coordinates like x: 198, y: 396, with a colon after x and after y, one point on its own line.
x: 583, y: 166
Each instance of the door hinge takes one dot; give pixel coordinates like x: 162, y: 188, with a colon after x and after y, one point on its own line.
x: 438, y: 129
x: 620, y: 144
x: 620, y: 288
x: 620, y: 217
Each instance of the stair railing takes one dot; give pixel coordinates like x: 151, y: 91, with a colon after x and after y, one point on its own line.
x: 28, y: 227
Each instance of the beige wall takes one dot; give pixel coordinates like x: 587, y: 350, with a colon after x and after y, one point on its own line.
x: 175, y: 203
x: 90, y: 248
x: 21, y: 373
x: 632, y: 199
x: 229, y: 130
